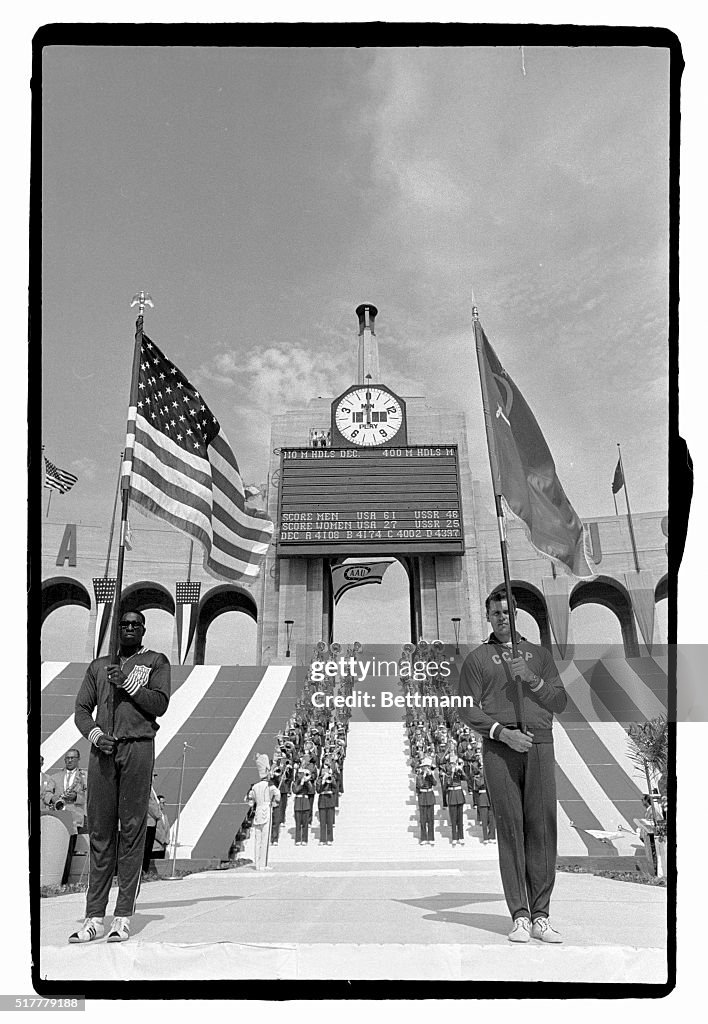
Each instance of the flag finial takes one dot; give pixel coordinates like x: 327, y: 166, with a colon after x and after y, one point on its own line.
x: 142, y: 299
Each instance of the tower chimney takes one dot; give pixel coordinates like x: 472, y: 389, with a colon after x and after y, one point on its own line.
x: 368, y: 356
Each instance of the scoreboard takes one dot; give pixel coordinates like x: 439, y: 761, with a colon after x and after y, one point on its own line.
x: 369, y: 501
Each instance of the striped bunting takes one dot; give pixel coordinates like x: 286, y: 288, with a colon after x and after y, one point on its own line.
x: 217, y: 779
x: 185, y: 473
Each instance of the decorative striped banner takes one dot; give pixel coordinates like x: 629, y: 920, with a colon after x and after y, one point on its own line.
x: 104, y: 589
x: 186, y: 616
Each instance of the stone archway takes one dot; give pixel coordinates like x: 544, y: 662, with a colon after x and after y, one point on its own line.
x: 609, y: 593
x: 138, y: 597
x: 530, y: 599
x: 60, y: 591
x: 225, y: 598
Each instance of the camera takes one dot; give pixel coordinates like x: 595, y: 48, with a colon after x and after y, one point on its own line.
x: 59, y: 804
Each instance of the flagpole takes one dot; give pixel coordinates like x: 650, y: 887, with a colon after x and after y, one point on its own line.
x: 141, y: 299
x: 113, y: 518
x: 629, y: 511
x: 615, y: 501
x: 501, y: 522
x: 49, y: 501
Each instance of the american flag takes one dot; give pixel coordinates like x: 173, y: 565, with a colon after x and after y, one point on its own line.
x: 185, y: 473
x: 57, y: 479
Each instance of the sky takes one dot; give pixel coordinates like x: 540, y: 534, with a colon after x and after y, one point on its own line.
x: 558, y: 230
x: 261, y: 193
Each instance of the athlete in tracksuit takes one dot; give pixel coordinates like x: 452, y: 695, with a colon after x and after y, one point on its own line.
x: 519, y: 767
x: 126, y: 698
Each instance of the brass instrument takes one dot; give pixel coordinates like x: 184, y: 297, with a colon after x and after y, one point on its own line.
x: 60, y: 802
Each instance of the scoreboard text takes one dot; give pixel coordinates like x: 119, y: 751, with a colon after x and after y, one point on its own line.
x: 355, y: 500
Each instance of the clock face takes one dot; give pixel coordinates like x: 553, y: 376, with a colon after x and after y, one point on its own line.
x: 368, y: 416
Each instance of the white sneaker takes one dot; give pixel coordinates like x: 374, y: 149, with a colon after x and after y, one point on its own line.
x: 541, y: 929
x: 521, y: 932
x: 91, y: 929
x: 120, y: 930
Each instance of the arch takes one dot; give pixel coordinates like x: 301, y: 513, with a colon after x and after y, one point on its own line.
x: 60, y: 591
x: 662, y: 589
x: 146, y: 594
x: 412, y: 568
x: 610, y: 593
x: 530, y: 599
x: 225, y: 598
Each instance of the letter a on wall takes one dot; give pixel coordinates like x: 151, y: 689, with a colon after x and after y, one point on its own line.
x: 67, y: 548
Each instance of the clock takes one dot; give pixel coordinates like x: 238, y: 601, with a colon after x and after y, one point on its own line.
x: 367, y: 416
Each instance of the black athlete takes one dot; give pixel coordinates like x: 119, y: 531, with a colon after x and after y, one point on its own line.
x: 127, y: 698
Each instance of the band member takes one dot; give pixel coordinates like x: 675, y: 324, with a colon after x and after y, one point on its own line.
x: 302, y: 790
x: 519, y: 766
x: 327, y: 789
x: 425, y: 791
x: 484, y: 808
x: 456, y: 801
x: 127, y: 699
x: 70, y: 795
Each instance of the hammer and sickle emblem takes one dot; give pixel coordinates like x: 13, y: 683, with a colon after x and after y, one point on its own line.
x: 508, y: 398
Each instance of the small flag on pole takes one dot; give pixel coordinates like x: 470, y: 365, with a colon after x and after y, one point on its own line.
x: 618, y: 479
x: 57, y: 479
x: 185, y: 473
x: 526, y: 473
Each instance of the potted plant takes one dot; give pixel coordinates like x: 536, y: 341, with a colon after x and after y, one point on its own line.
x: 649, y: 750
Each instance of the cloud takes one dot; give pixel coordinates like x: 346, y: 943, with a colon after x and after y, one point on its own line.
x: 279, y: 377
x: 86, y: 469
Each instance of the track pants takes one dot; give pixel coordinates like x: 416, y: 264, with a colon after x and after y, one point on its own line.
x: 118, y: 788
x: 302, y: 821
x: 326, y: 824
x: 427, y: 829
x: 455, y: 811
x: 522, y: 790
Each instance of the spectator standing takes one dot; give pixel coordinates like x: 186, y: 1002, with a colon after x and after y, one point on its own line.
x: 152, y: 820
x: 263, y: 796
x: 162, y: 832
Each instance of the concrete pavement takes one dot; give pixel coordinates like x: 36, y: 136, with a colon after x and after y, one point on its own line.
x: 363, y: 921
